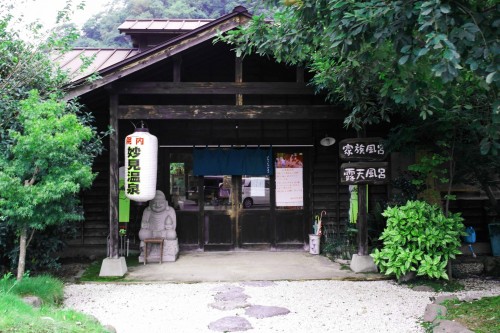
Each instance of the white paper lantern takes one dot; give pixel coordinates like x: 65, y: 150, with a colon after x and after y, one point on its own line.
x: 141, y: 160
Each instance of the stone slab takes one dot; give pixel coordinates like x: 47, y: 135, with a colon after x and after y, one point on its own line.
x: 443, y: 298
x: 113, y: 267
x: 432, y: 311
x: 363, y: 264
x: 229, y: 305
x: 231, y: 296
x: 230, y: 324
x: 261, y: 311
x: 448, y: 326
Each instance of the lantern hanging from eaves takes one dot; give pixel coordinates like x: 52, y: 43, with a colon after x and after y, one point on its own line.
x: 141, y: 156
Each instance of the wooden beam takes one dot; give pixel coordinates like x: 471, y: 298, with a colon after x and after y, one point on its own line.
x: 113, y: 177
x: 327, y: 112
x: 213, y: 88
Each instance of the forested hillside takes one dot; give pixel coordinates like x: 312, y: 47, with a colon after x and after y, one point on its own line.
x: 101, y: 30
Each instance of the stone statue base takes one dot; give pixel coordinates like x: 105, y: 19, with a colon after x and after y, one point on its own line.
x: 170, y: 251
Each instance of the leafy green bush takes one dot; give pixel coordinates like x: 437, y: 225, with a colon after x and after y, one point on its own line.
x: 418, y: 238
x: 41, y: 251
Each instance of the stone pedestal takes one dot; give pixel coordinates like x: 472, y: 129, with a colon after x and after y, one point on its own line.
x: 363, y: 264
x: 170, y: 251
x: 113, y: 267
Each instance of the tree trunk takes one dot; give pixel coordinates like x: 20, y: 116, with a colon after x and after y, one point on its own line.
x: 22, y: 253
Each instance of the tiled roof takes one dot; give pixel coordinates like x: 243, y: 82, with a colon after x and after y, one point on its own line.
x: 162, y: 25
x: 100, y: 59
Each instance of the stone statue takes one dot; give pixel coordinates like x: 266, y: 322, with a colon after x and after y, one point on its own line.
x: 159, y: 221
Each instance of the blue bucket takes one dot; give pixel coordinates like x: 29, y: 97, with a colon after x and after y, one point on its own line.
x: 471, y: 235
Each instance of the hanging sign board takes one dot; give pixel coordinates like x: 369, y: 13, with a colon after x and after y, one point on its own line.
x: 362, y: 149
x: 375, y: 173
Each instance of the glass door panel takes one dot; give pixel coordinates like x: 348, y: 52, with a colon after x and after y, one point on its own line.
x: 255, y: 192
x: 219, y: 216
x: 180, y: 181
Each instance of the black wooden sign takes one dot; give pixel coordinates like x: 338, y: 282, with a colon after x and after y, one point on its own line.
x: 362, y: 149
x: 375, y: 173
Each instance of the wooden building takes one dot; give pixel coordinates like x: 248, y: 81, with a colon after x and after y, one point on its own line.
x: 192, y: 94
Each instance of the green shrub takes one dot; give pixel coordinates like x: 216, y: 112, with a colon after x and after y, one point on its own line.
x: 418, y: 238
x: 49, y: 289
x: 41, y: 252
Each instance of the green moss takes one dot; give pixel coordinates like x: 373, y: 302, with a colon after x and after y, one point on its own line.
x: 437, y: 285
x: 91, y: 274
x: 481, y: 316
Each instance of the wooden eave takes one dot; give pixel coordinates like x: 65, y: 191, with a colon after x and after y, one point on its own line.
x: 160, y: 52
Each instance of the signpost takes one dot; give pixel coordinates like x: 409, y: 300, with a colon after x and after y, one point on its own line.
x: 362, y: 149
x: 365, y: 166
x: 374, y: 173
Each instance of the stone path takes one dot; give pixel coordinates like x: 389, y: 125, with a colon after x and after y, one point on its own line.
x: 318, y: 306
x: 230, y: 297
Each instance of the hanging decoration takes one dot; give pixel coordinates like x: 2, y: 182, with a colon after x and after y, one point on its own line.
x: 141, y: 155
x: 123, y: 201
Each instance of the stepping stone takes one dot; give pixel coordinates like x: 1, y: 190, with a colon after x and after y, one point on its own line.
x: 432, y: 311
x: 259, y: 283
x: 448, y: 326
x: 231, y: 296
x: 230, y: 324
x: 229, y: 305
x: 261, y: 311
x: 441, y: 299
x: 423, y: 288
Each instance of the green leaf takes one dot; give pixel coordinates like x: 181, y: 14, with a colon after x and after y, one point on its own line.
x: 490, y: 77
x: 445, y: 8
x: 403, y: 59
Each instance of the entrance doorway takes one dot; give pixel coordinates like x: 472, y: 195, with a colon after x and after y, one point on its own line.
x: 226, y: 212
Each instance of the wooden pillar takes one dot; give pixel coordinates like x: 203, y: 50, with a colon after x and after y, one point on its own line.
x: 362, y: 224
x: 362, y: 221
x: 238, y: 77
x: 177, y: 68
x: 113, y: 177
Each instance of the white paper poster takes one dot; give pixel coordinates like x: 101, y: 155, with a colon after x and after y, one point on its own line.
x: 289, y: 187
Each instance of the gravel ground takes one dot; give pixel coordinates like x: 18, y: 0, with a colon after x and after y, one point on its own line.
x: 315, y: 306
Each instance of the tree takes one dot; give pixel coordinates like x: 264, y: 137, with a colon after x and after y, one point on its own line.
x: 434, y: 59
x: 102, y: 29
x: 384, y: 58
x: 46, y: 170
x: 46, y: 145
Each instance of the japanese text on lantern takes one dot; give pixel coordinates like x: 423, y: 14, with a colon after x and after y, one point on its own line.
x: 134, y: 167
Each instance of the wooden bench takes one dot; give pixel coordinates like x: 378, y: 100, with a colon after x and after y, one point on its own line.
x: 152, y: 241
